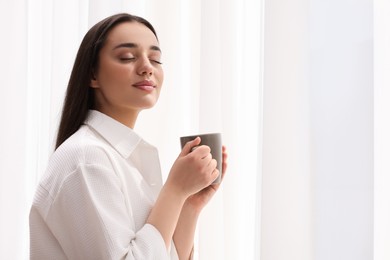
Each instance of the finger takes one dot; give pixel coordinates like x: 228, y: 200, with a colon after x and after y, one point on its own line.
x: 212, y: 164
x: 224, y: 159
x: 208, y: 157
x: 193, y: 148
x: 202, y: 151
x: 224, y: 166
x: 214, y: 175
x: 224, y: 162
x: 189, y: 146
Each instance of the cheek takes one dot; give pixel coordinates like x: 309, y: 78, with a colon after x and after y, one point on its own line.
x: 160, y: 76
x: 115, y: 73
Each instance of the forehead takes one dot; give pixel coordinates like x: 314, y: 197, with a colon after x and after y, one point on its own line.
x: 133, y: 32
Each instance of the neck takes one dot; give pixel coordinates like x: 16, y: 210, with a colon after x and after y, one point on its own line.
x: 124, y: 116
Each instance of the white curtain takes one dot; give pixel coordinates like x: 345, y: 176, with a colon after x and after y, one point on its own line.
x: 212, y: 62
x: 298, y: 89
x: 382, y: 130
x: 318, y: 161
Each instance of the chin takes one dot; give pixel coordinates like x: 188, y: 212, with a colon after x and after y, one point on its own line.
x: 143, y: 103
x: 148, y: 106
x: 150, y: 103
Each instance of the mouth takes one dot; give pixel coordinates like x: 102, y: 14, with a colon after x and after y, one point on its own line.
x: 146, y: 85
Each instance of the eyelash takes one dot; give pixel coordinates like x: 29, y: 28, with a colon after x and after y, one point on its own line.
x: 132, y: 59
x: 156, y: 61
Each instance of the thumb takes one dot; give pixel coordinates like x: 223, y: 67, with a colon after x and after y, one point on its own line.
x: 187, y: 148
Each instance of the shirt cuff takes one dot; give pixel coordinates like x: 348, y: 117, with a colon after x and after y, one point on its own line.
x: 149, y: 239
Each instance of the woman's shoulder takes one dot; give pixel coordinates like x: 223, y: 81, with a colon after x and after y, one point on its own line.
x: 82, y: 153
x: 83, y: 147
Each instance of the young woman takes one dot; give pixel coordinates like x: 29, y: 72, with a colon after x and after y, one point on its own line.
x: 102, y: 195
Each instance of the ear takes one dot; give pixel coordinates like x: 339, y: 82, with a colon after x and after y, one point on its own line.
x: 94, y: 82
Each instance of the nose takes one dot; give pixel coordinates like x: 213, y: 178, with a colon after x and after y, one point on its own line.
x: 145, y: 67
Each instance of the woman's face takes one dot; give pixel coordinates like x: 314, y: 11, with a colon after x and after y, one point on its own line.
x: 129, y: 74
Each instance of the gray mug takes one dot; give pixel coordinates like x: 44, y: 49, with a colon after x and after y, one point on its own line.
x: 212, y: 140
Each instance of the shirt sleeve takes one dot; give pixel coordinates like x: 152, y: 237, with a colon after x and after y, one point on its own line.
x: 90, y: 219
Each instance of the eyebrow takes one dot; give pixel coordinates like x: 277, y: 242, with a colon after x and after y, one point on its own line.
x: 133, y: 45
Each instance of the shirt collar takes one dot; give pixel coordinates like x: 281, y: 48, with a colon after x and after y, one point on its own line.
x: 121, y: 137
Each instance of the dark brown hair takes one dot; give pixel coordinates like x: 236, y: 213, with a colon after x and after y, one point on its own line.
x: 79, y: 95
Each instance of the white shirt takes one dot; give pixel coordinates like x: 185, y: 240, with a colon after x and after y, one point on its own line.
x: 95, y: 197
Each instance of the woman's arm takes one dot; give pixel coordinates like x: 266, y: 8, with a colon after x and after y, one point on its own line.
x: 85, y: 209
x: 165, y: 213
x: 185, y: 231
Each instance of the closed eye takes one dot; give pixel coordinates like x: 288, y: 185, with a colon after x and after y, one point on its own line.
x: 156, y: 61
x: 127, y: 59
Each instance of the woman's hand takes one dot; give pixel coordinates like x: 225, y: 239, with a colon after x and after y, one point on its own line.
x: 200, y: 199
x: 193, y: 170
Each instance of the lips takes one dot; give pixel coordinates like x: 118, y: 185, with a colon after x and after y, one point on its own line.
x: 146, y: 85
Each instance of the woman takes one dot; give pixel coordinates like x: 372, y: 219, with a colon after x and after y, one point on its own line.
x: 102, y: 195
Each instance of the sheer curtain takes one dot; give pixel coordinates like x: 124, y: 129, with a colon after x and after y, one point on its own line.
x: 318, y: 137
x: 212, y: 62
x: 306, y: 124
x: 382, y: 129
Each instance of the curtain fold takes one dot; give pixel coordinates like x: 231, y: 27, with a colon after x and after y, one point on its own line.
x: 381, y: 130
x: 13, y: 70
x: 286, y: 208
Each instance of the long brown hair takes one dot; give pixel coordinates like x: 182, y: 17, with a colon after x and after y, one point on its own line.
x: 79, y: 95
